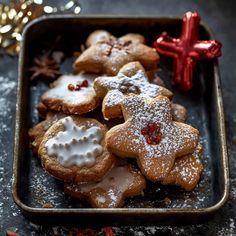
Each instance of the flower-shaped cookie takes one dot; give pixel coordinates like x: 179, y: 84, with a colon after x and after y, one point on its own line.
x: 108, y: 54
x: 186, y: 171
x: 120, y: 182
x: 71, y: 94
x: 131, y: 79
x: 150, y: 135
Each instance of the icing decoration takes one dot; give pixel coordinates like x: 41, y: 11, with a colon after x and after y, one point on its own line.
x: 155, y: 161
x: 187, y: 50
x: 152, y: 133
x: 116, y: 181
x: 66, y: 84
x: 75, y: 145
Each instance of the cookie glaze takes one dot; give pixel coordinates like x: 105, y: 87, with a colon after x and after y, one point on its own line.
x: 61, y: 91
x: 75, y: 145
x: 115, y: 183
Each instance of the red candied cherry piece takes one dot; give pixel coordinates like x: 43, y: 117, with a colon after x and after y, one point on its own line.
x: 144, y: 131
x: 77, y: 87
x: 149, y: 140
x: 84, y: 83
x: 152, y: 127
x: 158, y: 129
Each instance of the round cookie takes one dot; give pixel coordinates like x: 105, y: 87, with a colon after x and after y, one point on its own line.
x: 71, y: 94
x: 151, y: 136
x: 186, y: 171
x: 122, y: 181
x: 73, y: 149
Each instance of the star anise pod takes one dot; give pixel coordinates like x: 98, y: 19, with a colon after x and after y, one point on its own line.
x: 44, y: 67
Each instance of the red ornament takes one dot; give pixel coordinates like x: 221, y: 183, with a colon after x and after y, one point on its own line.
x: 187, y: 49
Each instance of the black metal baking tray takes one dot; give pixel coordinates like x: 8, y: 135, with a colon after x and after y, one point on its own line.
x: 32, y: 186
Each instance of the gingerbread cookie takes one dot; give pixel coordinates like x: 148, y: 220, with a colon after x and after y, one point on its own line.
x: 186, y: 171
x: 72, y: 94
x: 122, y: 181
x: 131, y: 79
x: 179, y: 112
x: 73, y: 149
x: 108, y: 54
x: 150, y: 135
x: 37, y: 132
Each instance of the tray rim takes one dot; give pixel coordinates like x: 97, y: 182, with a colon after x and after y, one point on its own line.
x: 128, y: 211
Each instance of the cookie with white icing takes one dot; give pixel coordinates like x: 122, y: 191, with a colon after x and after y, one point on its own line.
x: 71, y: 94
x: 186, y: 171
x: 131, y: 80
x: 106, y: 54
x: 73, y: 150
x: 151, y: 136
x: 122, y: 181
x: 37, y: 132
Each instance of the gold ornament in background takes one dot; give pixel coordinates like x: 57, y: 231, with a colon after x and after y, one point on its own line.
x: 15, y: 15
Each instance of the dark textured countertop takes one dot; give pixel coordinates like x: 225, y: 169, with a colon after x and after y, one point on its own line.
x: 221, y: 17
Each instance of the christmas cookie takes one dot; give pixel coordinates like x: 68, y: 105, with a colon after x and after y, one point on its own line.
x: 186, y: 171
x: 107, y: 54
x: 122, y: 181
x: 72, y: 94
x: 131, y: 80
x: 73, y: 149
x: 150, y: 136
x: 179, y: 112
x: 37, y: 132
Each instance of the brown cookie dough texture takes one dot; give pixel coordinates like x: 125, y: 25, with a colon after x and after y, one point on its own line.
x: 106, y: 54
x: 122, y: 181
x: 81, y: 145
x: 131, y: 80
x: 151, y: 136
x: 37, y: 132
x: 69, y: 96
x: 186, y: 171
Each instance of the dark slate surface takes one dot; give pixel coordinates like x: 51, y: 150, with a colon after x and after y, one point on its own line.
x: 220, y: 16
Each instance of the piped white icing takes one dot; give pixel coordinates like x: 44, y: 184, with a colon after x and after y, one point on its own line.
x: 75, y: 145
x: 61, y: 91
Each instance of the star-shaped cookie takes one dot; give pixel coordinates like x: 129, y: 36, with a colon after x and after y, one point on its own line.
x: 107, y: 54
x: 150, y: 136
x: 186, y: 171
x: 131, y: 79
x: 122, y: 181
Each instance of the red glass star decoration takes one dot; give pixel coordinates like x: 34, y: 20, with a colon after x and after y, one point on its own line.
x: 187, y: 49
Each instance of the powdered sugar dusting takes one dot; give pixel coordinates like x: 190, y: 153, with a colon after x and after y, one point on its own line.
x: 186, y: 171
x: 122, y: 85
x: 139, y: 112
